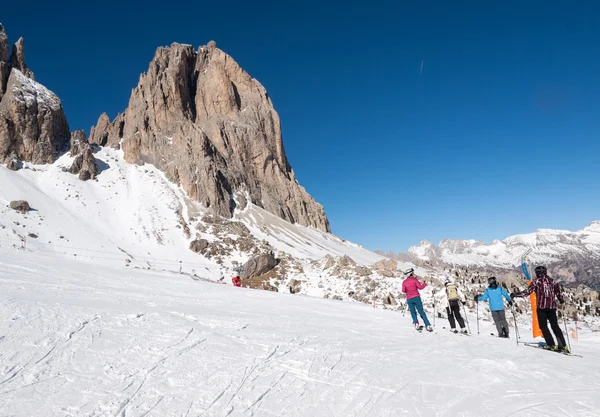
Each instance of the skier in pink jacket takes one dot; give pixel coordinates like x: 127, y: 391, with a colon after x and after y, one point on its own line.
x: 411, y: 287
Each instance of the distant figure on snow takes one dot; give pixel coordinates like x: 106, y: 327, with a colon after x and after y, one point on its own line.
x: 411, y: 287
x: 452, y: 297
x: 546, y: 291
x: 236, y: 281
x: 494, y: 294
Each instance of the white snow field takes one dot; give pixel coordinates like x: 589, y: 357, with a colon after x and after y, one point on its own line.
x: 82, y: 339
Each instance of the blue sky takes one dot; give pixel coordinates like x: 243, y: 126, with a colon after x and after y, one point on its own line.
x: 498, y: 135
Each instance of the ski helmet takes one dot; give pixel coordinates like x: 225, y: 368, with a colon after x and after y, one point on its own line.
x: 447, y: 281
x: 540, y: 271
x: 409, y: 271
x: 492, y: 281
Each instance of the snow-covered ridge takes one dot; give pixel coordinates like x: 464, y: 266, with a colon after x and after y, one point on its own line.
x: 547, y: 245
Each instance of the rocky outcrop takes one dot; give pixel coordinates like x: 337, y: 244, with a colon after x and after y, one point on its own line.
x: 4, y: 69
x: 17, y: 59
x: 13, y: 162
x: 78, y: 142
x: 106, y: 133
x: 33, y: 126
x: 199, y: 245
x: 3, y: 44
x: 20, y: 205
x: 84, y: 164
x: 32, y: 121
x: 386, y: 267
x: 259, y: 265
x: 212, y: 129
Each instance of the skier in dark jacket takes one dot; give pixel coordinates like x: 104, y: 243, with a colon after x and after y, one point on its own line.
x: 546, y: 293
x: 494, y: 293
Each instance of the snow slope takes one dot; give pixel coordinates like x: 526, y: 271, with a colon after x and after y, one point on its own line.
x: 133, y: 212
x: 300, y: 241
x: 78, y: 339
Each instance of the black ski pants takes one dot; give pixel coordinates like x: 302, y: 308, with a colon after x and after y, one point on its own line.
x: 549, y: 315
x: 454, y: 311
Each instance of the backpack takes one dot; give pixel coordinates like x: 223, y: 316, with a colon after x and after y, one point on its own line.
x: 452, y: 292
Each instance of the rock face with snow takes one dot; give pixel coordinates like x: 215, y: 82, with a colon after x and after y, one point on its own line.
x: 211, y: 127
x: 33, y: 126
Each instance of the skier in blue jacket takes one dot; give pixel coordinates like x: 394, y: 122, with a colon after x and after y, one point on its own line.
x: 494, y: 294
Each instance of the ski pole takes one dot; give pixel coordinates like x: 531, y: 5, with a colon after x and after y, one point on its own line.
x: 433, y: 308
x: 565, y: 321
x: 562, y: 310
x: 512, y: 309
x: 466, y: 319
x: 477, y: 308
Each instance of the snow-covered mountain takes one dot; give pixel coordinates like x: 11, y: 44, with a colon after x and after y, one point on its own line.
x: 132, y: 216
x: 572, y: 256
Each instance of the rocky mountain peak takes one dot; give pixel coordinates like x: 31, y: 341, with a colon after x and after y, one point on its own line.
x: 17, y: 58
x: 33, y: 126
x: 3, y: 45
x: 4, y: 67
x: 211, y: 127
x: 594, y: 227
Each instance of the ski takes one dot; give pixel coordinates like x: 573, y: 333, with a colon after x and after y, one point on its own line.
x: 457, y: 332
x: 419, y: 328
x: 541, y: 347
x: 493, y: 334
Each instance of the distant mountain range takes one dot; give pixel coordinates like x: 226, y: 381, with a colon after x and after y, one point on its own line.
x: 569, y: 256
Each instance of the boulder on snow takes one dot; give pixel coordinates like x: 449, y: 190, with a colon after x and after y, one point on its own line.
x: 329, y: 262
x: 345, y: 261
x: 13, y: 162
x: 199, y: 245
x: 20, y: 205
x: 386, y: 267
x: 259, y: 265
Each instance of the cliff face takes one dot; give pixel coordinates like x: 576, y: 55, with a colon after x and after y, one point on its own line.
x: 33, y: 126
x: 201, y: 119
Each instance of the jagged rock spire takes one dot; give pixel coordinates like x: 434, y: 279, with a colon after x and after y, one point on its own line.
x: 211, y: 127
x: 17, y: 59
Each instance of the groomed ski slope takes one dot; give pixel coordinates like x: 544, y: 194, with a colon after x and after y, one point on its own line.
x: 78, y: 339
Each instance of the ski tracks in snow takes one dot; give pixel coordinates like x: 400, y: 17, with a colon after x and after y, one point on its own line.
x: 159, y: 345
